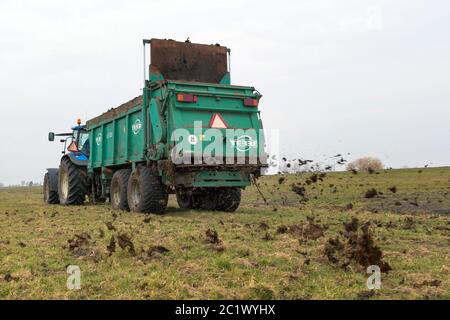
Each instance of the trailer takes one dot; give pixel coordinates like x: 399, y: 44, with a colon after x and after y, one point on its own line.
x: 190, y: 133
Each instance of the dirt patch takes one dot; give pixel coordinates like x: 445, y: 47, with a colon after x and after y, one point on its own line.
x: 80, y: 246
x: 211, y: 236
x: 371, y: 193
x: 357, y: 247
x: 157, y: 250
x: 312, y: 230
x: 309, y: 230
x: 125, y: 243
x: 282, y: 229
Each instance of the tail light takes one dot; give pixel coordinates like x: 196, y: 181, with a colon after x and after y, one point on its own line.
x: 73, y: 147
x: 183, y: 97
x: 249, y: 102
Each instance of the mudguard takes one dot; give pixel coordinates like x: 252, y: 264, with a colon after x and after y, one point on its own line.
x: 78, y: 158
x: 53, y: 178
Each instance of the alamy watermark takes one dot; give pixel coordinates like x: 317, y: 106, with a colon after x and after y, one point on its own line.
x: 74, y: 278
x: 213, y: 146
x: 374, y: 280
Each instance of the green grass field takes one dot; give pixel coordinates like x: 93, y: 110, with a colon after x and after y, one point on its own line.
x: 268, y: 249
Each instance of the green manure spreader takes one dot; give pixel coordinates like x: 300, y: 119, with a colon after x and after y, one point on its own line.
x: 190, y: 133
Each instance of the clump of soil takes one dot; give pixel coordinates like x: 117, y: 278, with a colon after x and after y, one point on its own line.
x: 263, y: 226
x: 299, y: 190
x: 80, y: 246
x: 357, y: 247
x: 349, y: 206
x: 8, y: 277
x: 428, y: 283
x: 314, y: 178
x: 112, y: 245
x: 282, y: 229
x: 310, y: 230
x: 371, y: 193
x: 152, y: 253
x: 125, y: 243
x: 267, y: 237
x: 409, y: 224
x: 212, y: 237
x: 157, y: 250
x: 393, y: 189
x: 281, y: 180
x: 351, y: 226
x: 110, y: 226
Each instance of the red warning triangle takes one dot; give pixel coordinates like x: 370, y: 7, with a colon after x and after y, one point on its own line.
x: 217, y: 122
x: 72, y: 147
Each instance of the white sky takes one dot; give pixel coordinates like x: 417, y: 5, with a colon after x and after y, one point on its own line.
x: 365, y: 77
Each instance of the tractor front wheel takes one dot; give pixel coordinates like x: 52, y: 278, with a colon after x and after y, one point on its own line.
x: 51, y: 187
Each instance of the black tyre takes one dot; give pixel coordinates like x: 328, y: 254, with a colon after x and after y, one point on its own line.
x: 228, y: 199
x: 146, y: 193
x: 119, y: 186
x: 51, y: 187
x: 207, y: 200
x: 72, y: 183
x: 184, y: 200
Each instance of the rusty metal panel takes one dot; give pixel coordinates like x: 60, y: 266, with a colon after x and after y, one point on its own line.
x: 187, y: 61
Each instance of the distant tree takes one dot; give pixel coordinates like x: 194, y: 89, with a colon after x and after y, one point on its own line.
x: 365, y: 164
x: 30, y: 184
x: 1, y: 185
x: 22, y: 183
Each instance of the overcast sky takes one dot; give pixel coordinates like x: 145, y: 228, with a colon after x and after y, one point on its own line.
x: 348, y: 76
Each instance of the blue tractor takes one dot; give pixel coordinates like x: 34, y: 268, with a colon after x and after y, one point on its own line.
x: 69, y: 184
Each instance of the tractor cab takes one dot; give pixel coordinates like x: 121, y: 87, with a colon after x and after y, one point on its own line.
x: 76, y: 143
x: 80, y: 140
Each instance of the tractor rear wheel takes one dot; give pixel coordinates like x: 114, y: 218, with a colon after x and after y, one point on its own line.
x: 50, y: 195
x: 119, y: 186
x: 228, y: 199
x: 72, y: 183
x: 146, y: 192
